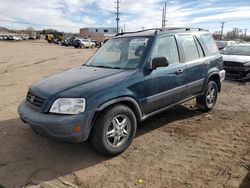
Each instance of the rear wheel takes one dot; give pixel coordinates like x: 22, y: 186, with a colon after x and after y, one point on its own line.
x: 114, y: 130
x: 207, y: 101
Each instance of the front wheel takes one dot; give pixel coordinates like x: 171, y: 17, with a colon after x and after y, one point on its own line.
x: 207, y: 101
x: 114, y: 130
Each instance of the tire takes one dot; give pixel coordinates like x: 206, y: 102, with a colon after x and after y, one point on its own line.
x: 110, y: 134
x: 207, y: 101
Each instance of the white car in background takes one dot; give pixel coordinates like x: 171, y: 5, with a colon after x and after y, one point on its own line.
x: 223, y: 45
x: 236, y: 60
x: 87, y: 43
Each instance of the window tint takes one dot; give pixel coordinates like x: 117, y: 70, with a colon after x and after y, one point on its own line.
x: 166, y: 47
x: 189, y: 47
x: 211, y: 48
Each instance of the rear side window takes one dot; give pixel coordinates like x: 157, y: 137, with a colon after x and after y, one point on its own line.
x: 211, y: 48
x: 167, y: 47
x: 189, y: 47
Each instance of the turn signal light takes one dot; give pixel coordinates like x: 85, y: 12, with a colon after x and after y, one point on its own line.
x: 77, y: 128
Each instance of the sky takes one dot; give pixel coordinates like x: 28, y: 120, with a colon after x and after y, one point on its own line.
x: 70, y: 15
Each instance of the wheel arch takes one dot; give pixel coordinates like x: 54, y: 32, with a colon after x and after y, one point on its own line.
x: 127, y: 101
x: 216, y: 78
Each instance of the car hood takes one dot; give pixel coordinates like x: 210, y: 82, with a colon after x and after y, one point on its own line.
x: 236, y: 58
x: 71, y: 78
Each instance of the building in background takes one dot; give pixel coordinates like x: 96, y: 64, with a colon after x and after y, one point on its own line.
x: 98, y: 33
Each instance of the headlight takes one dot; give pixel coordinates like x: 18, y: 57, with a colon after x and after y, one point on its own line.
x: 247, y: 64
x: 68, y: 106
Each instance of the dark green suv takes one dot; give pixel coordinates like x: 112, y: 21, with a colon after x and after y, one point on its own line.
x: 132, y: 77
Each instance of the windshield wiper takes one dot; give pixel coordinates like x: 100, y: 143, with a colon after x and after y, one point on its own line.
x: 103, y: 66
x: 88, y: 65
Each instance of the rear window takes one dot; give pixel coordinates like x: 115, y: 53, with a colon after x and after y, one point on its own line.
x: 211, y: 47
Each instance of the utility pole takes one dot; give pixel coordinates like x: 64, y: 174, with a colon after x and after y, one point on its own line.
x: 235, y: 32
x: 117, y: 15
x: 222, y: 27
x: 245, y: 32
x: 164, y: 15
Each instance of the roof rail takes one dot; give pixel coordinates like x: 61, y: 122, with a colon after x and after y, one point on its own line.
x: 123, y: 33
x: 162, y: 29
x: 180, y: 28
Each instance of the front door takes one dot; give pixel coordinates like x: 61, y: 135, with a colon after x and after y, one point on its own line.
x: 165, y: 85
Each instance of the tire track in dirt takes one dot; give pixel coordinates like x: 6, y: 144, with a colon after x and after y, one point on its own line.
x: 28, y: 65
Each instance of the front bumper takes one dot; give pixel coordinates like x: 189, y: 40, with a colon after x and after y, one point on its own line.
x: 237, y: 73
x: 58, y: 127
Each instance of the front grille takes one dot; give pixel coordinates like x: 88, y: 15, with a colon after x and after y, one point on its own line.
x: 233, y: 64
x: 232, y: 68
x: 34, y: 99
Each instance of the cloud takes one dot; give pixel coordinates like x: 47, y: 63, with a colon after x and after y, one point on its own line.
x: 70, y: 15
x: 232, y: 14
x: 89, y: 21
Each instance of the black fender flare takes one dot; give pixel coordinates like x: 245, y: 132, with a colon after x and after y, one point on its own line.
x: 132, y: 101
x: 209, y: 76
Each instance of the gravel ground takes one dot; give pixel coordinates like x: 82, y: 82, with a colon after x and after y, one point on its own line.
x: 182, y: 147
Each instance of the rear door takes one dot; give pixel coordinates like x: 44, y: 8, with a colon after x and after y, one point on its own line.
x: 193, y: 57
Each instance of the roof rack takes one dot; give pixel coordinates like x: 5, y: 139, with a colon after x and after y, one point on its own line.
x: 162, y: 29
x: 123, y: 33
x: 179, y: 28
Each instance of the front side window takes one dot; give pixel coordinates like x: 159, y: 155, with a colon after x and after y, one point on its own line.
x: 124, y: 53
x: 166, y: 47
x: 189, y: 47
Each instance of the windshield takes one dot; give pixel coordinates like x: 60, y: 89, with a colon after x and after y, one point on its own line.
x: 123, y: 53
x: 221, y: 44
x: 238, y: 50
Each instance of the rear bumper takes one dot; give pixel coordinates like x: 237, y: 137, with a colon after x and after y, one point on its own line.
x: 58, y: 127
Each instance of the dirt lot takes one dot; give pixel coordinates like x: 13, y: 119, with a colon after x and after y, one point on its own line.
x: 182, y: 147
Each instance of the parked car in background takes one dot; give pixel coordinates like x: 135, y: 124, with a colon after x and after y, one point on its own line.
x: 77, y: 43
x: 237, y: 62
x: 130, y: 78
x: 83, y: 43
x: 223, y: 45
x: 68, y: 42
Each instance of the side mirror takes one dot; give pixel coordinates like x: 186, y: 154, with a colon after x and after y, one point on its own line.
x: 159, y: 62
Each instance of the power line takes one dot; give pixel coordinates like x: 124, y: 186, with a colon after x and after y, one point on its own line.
x: 36, y: 24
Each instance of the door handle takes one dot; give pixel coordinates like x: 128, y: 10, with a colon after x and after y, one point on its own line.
x: 179, y: 71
